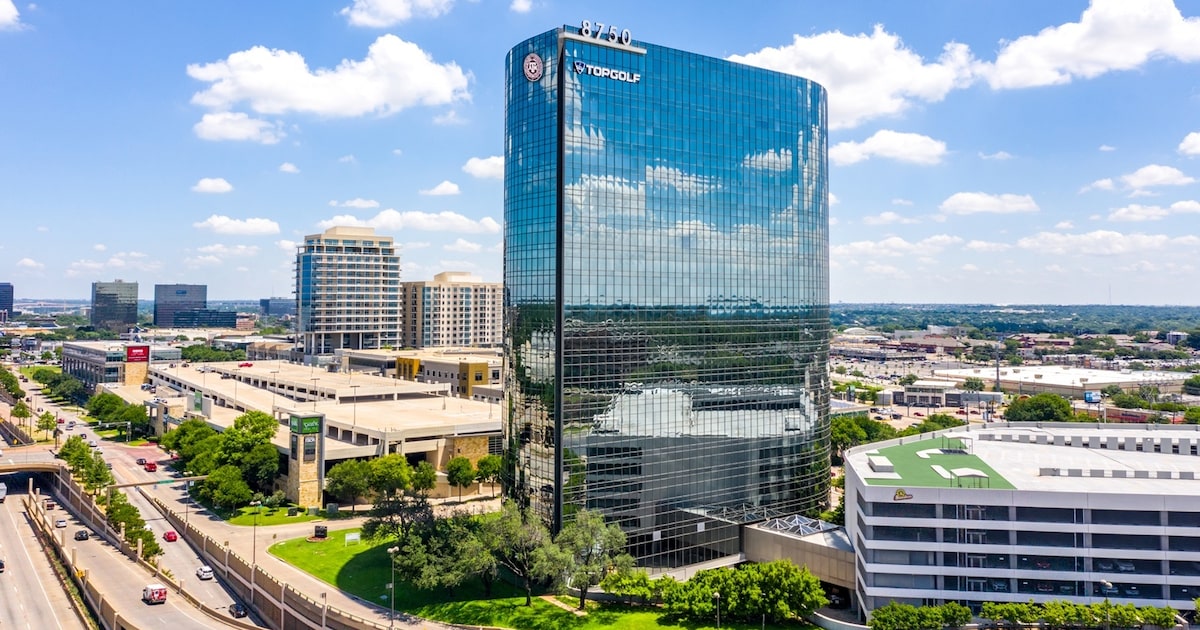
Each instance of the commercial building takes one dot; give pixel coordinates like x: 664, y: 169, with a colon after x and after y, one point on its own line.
x: 116, y: 362
x: 1015, y: 513
x: 277, y: 307
x: 455, y: 309
x: 6, y: 301
x: 472, y: 373
x: 114, y: 305
x: 1067, y: 381
x: 207, y: 318
x: 666, y: 279
x: 170, y: 299
x: 347, y: 291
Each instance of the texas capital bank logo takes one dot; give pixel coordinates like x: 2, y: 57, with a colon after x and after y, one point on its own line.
x: 533, y: 67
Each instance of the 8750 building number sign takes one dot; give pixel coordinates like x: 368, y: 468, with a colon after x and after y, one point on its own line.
x: 600, y: 30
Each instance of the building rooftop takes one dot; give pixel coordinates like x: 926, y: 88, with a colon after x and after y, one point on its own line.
x: 1068, y: 457
x: 1066, y: 376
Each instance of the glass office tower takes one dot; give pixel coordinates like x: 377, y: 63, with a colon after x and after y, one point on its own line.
x: 114, y: 305
x: 666, y: 291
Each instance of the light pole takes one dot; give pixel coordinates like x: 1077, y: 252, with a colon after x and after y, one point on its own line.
x: 274, y: 388
x: 354, y: 403
x: 314, y: 391
x: 1107, y: 586
x: 254, y: 548
x: 187, y: 498
x: 392, y: 551
x: 717, y: 597
x: 324, y: 608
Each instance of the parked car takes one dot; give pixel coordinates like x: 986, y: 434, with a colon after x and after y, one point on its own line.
x: 170, y: 536
x: 1042, y: 564
x: 1132, y: 591
x: 1104, y: 565
x: 82, y: 535
x: 1125, y: 566
x: 1000, y: 586
x: 204, y: 572
x: 1109, y: 591
x: 237, y: 610
x: 1045, y: 587
x: 246, y: 364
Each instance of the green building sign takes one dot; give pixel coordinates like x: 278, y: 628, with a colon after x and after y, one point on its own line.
x: 306, y: 424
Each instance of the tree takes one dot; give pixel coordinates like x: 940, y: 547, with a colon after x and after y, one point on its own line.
x: 21, y: 411
x: 1192, y: 415
x: 135, y: 419
x: 460, y: 473
x: 955, y: 614
x: 46, y: 422
x: 75, y: 452
x: 973, y: 384
x: 105, y: 406
x: 844, y: 433
x: 225, y: 488
x: 1039, y: 408
x: 390, y: 474
x: 895, y: 616
x: 349, y: 480
x: 96, y: 474
x: 591, y: 548
x: 260, y: 466
x: 488, y: 470
x: 907, y: 379
x: 424, y: 478
x: 519, y: 541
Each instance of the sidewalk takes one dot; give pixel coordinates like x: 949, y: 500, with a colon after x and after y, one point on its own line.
x: 241, y: 541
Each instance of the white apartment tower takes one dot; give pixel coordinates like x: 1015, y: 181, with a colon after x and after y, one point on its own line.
x: 347, y: 291
x: 455, y: 309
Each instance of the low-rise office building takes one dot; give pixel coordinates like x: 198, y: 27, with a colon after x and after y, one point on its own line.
x: 116, y: 362
x: 1016, y: 513
x: 1067, y: 381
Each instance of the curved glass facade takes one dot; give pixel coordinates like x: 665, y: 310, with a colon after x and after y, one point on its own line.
x: 666, y: 292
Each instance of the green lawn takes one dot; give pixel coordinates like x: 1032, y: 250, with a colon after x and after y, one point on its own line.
x: 362, y: 569
x: 918, y: 471
x: 266, y: 516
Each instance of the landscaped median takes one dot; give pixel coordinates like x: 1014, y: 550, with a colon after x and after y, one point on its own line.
x: 362, y: 569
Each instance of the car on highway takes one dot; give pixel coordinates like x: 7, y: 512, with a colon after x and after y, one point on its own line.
x: 918, y: 414
x: 170, y: 536
x: 150, y: 466
x: 141, y: 461
x: 1, y: 566
x: 237, y: 610
x: 93, y: 443
x: 204, y: 572
x: 60, y: 523
x: 246, y: 364
x: 82, y: 535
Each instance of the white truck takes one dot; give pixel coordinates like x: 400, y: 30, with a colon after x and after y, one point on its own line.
x: 154, y: 594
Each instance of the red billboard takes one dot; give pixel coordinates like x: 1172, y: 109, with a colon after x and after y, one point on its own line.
x: 137, y: 354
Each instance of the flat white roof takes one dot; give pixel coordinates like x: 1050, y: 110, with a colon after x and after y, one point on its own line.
x: 1066, y: 376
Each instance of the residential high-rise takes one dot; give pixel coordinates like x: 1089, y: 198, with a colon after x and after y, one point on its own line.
x: 666, y: 291
x: 114, y: 305
x: 347, y: 291
x: 170, y: 299
x: 6, y: 301
x: 455, y: 309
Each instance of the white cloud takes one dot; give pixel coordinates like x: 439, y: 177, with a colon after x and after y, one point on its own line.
x: 978, y: 202
x: 385, y: 13
x: 29, y: 263
x: 1135, y: 212
x: 245, y: 227
x: 394, y: 76
x: 415, y: 245
x: 833, y: 199
x: 218, y: 249
x: 999, y: 155
x: 1110, y: 35
x: 901, y: 202
x: 212, y: 185
x: 288, y: 167
x: 1099, y: 184
x: 99, y: 247
x: 447, y: 187
x: 348, y: 159
x: 969, y: 267
x: 392, y: 220
x: 1156, y: 175
x: 1190, y: 144
x: 448, y: 119
x: 237, y: 126
x: 868, y: 76
x: 357, y: 202
x: 207, y: 260
x: 1064, y: 225
x: 986, y: 246
x: 491, y: 167
x: 894, y: 246
x: 520, y: 6
x: 43, y: 228
x: 902, y: 147
x: 1105, y: 147
x: 886, y: 218
x: 1104, y: 243
x: 121, y: 261
x: 463, y: 246
x: 286, y: 245
x: 397, y: 151
x: 10, y: 18
x: 770, y: 160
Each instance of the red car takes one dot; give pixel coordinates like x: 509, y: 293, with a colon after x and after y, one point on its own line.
x: 918, y: 414
x: 247, y: 364
x: 961, y: 412
x: 170, y: 536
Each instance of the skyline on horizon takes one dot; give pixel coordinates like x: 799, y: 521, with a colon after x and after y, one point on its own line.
x: 978, y: 155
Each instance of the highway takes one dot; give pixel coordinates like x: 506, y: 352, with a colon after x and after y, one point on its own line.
x: 30, y: 596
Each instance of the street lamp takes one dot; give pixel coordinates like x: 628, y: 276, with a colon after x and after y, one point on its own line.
x: 254, y: 547
x: 392, y: 551
x: 1107, y: 586
x: 324, y: 608
x: 354, y: 402
x: 187, y: 498
x: 274, y: 388
x: 314, y: 391
x: 717, y: 597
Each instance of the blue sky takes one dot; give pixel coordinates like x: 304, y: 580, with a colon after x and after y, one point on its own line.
x: 988, y: 151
